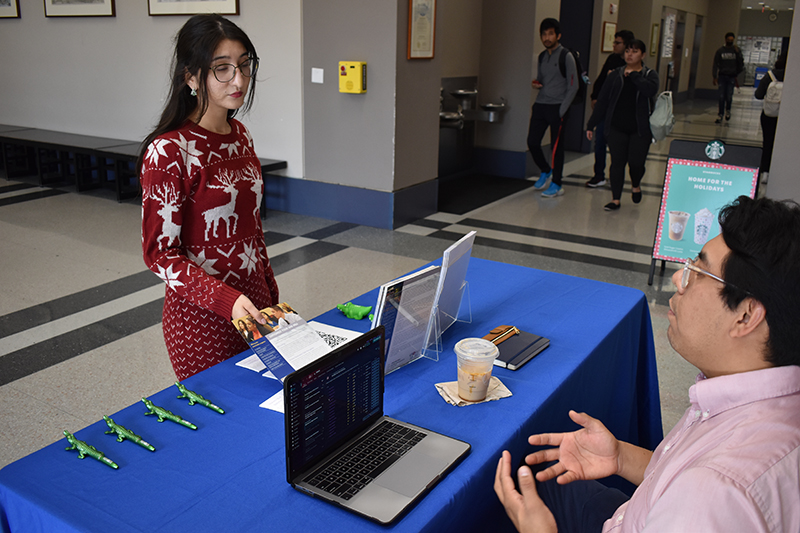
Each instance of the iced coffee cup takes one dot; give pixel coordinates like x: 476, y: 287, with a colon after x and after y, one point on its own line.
x: 677, y: 224
x: 702, y: 225
x: 475, y: 359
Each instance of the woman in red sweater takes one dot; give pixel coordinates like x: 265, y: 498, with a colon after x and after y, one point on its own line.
x: 201, y: 191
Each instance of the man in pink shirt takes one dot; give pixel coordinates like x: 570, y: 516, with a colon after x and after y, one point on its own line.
x: 732, y: 463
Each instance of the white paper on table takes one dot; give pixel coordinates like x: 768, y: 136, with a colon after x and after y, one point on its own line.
x: 252, y: 363
x: 274, y: 402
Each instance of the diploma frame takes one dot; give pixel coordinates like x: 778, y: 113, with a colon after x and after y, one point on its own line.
x: 421, y: 29
x: 192, y: 7
x: 10, y: 11
x: 609, y: 29
x: 105, y: 8
x: 654, y: 40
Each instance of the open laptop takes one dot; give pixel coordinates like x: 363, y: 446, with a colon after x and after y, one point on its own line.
x: 334, y: 423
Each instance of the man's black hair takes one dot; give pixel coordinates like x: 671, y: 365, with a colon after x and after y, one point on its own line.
x: 764, y: 238
x: 730, y: 34
x: 637, y: 44
x: 625, y: 35
x: 550, y: 23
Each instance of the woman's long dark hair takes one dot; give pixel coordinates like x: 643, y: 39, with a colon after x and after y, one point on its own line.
x: 194, y: 49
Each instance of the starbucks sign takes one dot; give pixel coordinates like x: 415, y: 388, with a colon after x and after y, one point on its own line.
x: 715, y: 150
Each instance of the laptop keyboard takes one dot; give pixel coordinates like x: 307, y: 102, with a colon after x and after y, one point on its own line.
x: 365, y: 461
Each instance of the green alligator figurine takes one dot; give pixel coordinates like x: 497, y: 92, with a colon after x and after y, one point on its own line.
x: 87, y: 449
x: 124, y: 433
x: 196, y: 398
x: 164, y: 414
x: 352, y: 310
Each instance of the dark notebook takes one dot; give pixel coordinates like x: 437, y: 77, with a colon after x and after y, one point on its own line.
x: 519, y: 349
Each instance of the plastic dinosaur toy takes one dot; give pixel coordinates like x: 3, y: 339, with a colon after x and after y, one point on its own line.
x: 124, y: 433
x: 352, y: 310
x: 164, y: 414
x: 87, y: 449
x: 196, y: 398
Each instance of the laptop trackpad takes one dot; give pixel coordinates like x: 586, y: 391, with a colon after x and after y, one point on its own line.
x: 412, y: 473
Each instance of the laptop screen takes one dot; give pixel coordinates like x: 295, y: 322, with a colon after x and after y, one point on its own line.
x: 333, y: 399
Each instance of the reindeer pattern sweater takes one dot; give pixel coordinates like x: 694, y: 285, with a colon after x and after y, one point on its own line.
x: 202, y: 235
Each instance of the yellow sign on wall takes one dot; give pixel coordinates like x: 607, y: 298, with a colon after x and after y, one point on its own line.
x: 352, y: 77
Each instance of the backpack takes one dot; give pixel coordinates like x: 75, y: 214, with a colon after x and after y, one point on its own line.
x: 662, y: 120
x: 583, y: 78
x: 772, y: 100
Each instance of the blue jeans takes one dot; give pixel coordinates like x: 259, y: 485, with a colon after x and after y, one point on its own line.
x: 726, y: 85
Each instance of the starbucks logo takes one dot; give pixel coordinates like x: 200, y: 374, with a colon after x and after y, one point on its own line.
x: 715, y: 150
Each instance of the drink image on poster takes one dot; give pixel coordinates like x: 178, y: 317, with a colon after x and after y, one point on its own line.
x: 677, y: 224
x: 703, y: 220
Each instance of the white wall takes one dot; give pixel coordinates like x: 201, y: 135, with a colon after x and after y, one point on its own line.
x: 107, y: 76
x: 784, y: 182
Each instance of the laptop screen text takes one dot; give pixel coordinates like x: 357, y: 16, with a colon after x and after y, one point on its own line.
x: 330, y: 404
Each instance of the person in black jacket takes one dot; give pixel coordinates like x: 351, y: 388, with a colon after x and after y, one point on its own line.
x: 625, y: 104
x: 728, y: 64
x: 769, y: 124
x: 615, y: 60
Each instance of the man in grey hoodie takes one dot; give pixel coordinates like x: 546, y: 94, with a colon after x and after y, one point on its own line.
x: 556, y: 92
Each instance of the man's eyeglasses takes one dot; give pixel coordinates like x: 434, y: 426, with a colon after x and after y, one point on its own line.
x: 225, y: 72
x: 689, y: 267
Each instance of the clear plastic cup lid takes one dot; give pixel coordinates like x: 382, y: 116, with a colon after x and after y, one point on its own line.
x: 476, y: 348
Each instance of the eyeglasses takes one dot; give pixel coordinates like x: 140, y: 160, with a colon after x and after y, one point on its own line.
x: 689, y: 266
x: 225, y: 72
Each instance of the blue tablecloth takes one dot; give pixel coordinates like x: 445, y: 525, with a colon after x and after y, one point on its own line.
x: 230, y: 474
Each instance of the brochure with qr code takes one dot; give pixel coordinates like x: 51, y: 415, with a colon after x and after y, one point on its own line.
x: 285, y: 342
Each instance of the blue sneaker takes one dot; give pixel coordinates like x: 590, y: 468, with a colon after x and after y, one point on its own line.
x: 543, y: 180
x: 553, y: 191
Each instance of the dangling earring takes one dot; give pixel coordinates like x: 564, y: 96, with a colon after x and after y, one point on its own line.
x: 193, y: 92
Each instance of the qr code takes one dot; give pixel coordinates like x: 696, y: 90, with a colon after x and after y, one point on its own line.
x: 332, y: 340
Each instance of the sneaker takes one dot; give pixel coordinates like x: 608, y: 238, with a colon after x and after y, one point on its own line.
x: 596, y: 182
x: 719, y: 120
x: 543, y: 180
x: 727, y: 116
x: 553, y: 190
x: 611, y: 206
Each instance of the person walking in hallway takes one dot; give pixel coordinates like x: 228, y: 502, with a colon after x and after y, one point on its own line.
x: 557, y: 81
x: 728, y: 64
x: 615, y: 60
x: 625, y: 105
x: 769, y: 122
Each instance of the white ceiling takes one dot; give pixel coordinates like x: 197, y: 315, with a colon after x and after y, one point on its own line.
x: 776, y: 5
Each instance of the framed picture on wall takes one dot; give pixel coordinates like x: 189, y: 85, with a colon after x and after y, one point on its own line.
x: 421, y: 28
x: 654, y: 40
x: 9, y: 9
x: 78, y: 8
x: 192, y: 7
x: 609, y: 29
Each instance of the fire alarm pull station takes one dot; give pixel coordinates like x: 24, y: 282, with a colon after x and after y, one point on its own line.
x: 352, y: 77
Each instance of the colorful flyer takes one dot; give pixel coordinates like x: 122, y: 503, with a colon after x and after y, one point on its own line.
x: 694, y: 193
